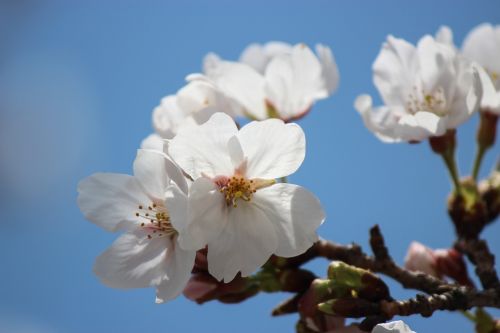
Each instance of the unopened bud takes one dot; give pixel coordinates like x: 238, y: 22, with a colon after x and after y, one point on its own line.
x: 347, y: 280
x: 349, y: 307
x: 438, y: 263
x: 318, y: 292
x: 421, y: 258
x: 450, y: 262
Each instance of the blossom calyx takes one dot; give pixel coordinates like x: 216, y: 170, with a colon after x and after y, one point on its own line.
x: 467, y: 210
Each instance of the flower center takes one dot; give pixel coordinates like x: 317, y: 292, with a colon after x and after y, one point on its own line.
x: 155, y: 220
x: 434, y: 102
x: 238, y: 187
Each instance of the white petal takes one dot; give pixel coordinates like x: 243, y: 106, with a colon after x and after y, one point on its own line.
x: 207, y: 215
x: 468, y: 95
x: 437, y: 66
x: 111, y: 200
x: 211, y: 63
x: 330, y: 70
x: 152, y: 142
x: 491, y: 97
x: 382, y: 121
x: 254, y: 56
x: 201, y: 99
x: 392, y: 327
x: 134, y: 261
x: 176, y: 202
x: 295, y: 214
x: 154, y: 171
x: 294, y: 82
x: 179, y: 271
x: 394, y: 70
x: 482, y: 45
x: 445, y: 35
x: 420, y: 126
x: 203, y: 150
x: 167, y: 117
x: 245, y: 244
x: 273, y: 149
x: 243, y: 84
x: 235, y: 151
x: 258, y: 56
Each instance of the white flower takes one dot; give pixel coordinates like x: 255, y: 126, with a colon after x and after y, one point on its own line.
x: 482, y: 45
x: 235, y: 205
x: 147, y: 254
x: 393, y: 327
x: 426, y: 90
x: 192, y: 105
x: 275, y: 81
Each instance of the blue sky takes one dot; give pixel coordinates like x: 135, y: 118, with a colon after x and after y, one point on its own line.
x: 78, y: 82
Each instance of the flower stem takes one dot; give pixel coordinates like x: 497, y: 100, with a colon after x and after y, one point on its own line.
x: 451, y: 165
x: 283, y: 180
x: 481, y: 149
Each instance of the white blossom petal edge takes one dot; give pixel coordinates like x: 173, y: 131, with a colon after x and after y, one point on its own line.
x: 147, y: 254
x: 235, y: 205
x: 397, y: 326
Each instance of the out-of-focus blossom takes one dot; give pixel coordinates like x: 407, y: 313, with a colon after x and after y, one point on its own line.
x: 235, y: 205
x: 426, y: 89
x: 397, y: 326
x: 148, y: 253
x: 482, y: 45
x: 193, y: 104
x: 275, y: 80
x: 438, y: 263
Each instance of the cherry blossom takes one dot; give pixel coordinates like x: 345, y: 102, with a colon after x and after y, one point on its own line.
x: 482, y: 45
x: 147, y: 254
x: 275, y: 80
x: 426, y: 90
x: 193, y: 104
x: 235, y: 206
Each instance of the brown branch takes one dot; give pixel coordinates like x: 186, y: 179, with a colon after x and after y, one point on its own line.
x: 461, y: 298
x: 381, y: 263
x: 479, y: 254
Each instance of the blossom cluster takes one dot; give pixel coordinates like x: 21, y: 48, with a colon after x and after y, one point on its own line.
x: 202, y: 182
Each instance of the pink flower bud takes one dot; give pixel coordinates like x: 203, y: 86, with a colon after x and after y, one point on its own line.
x: 451, y: 263
x: 421, y: 258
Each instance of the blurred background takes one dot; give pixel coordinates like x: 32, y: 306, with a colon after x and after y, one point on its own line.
x: 78, y: 82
